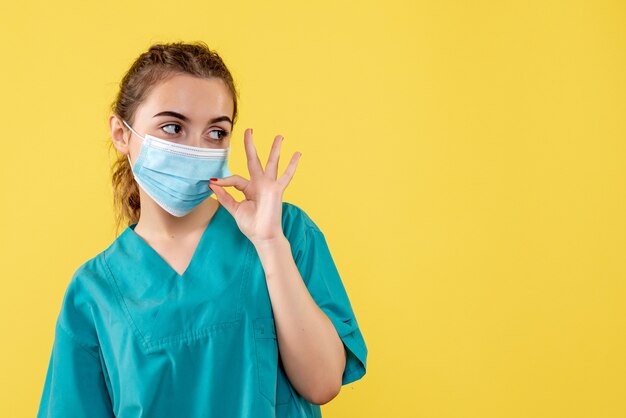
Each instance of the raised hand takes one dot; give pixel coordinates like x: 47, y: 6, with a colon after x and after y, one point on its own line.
x: 259, y: 216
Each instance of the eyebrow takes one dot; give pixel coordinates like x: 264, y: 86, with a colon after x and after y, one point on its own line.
x: 185, y: 118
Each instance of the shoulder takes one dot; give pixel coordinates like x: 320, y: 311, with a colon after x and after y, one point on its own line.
x: 296, y: 222
x: 303, y: 234
x: 79, y: 305
x: 294, y: 215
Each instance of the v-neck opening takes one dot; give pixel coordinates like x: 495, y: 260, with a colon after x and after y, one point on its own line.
x: 196, y: 253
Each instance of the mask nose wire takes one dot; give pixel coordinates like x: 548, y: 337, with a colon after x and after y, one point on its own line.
x: 133, y: 131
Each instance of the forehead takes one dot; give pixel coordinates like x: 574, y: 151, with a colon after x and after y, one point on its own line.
x: 195, y: 97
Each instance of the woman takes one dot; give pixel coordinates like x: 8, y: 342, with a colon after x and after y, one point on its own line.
x: 200, y: 307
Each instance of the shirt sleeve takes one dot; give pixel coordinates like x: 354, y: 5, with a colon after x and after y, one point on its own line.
x: 75, y: 385
x: 320, y: 274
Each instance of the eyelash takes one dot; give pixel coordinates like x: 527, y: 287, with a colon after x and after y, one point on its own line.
x: 222, y: 132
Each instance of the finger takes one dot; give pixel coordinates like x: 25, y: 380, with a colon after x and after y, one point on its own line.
x: 290, y: 170
x: 271, y: 169
x: 225, y: 198
x: 254, y: 164
x: 236, y: 181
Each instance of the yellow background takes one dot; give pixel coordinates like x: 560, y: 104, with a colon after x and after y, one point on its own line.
x: 466, y: 161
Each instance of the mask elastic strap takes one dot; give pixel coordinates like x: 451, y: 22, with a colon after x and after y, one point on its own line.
x: 129, y: 127
x: 141, y: 137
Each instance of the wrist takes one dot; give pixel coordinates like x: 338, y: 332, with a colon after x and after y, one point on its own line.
x: 271, y: 243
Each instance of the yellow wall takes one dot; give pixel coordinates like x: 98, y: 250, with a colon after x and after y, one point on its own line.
x: 465, y: 160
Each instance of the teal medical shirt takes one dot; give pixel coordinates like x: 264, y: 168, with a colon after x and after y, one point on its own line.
x: 136, y: 339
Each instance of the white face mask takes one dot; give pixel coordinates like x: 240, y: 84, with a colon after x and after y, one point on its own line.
x: 177, y: 176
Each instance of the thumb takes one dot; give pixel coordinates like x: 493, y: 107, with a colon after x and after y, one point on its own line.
x: 224, y: 198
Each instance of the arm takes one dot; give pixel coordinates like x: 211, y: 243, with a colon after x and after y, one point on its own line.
x: 75, y: 384
x: 313, y: 316
x: 312, y: 352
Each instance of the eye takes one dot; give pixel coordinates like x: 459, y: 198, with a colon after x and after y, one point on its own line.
x: 171, y: 124
x: 221, y: 134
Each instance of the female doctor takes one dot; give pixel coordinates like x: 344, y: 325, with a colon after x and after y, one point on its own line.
x: 200, y: 307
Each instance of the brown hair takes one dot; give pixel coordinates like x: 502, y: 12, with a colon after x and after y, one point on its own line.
x: 157, y: 64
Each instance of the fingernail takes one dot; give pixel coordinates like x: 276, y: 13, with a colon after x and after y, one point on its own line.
x: 213, y: 179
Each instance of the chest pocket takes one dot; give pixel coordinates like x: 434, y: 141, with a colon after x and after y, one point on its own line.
x: 274, y: 384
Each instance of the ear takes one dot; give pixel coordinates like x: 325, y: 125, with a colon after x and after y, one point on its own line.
x: 119, y: 134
